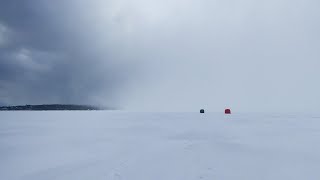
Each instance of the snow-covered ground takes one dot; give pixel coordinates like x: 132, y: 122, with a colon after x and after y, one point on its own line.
x: 102, y: 145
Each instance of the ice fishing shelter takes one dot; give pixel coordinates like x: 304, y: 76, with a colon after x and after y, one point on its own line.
x: 227, y: 111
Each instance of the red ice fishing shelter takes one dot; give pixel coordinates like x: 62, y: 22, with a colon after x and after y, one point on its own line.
x: 227, y: 111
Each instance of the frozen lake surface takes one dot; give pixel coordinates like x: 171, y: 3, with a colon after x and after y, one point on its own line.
x: 102, y: 145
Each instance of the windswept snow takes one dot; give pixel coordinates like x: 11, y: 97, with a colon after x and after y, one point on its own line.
x: 158, y: 146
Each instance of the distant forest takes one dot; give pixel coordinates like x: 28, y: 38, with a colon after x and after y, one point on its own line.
x: 50, y: 107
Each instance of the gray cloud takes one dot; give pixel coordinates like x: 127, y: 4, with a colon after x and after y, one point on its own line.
x: 49, y: 59
x: 162, y: 55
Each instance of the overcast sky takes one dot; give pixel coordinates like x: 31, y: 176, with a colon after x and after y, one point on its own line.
x: 160, y: 55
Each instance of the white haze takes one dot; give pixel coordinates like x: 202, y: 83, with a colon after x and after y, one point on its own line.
x: 185, y: 55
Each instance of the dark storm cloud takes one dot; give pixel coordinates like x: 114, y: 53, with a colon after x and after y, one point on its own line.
x: 42, y: 61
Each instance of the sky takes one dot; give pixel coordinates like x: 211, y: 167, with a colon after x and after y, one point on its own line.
x: 152, y: 55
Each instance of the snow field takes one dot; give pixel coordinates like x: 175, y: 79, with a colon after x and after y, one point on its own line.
x: 102, y: 145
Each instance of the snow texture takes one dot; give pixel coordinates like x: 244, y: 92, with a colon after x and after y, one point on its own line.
x: 158, y: 146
